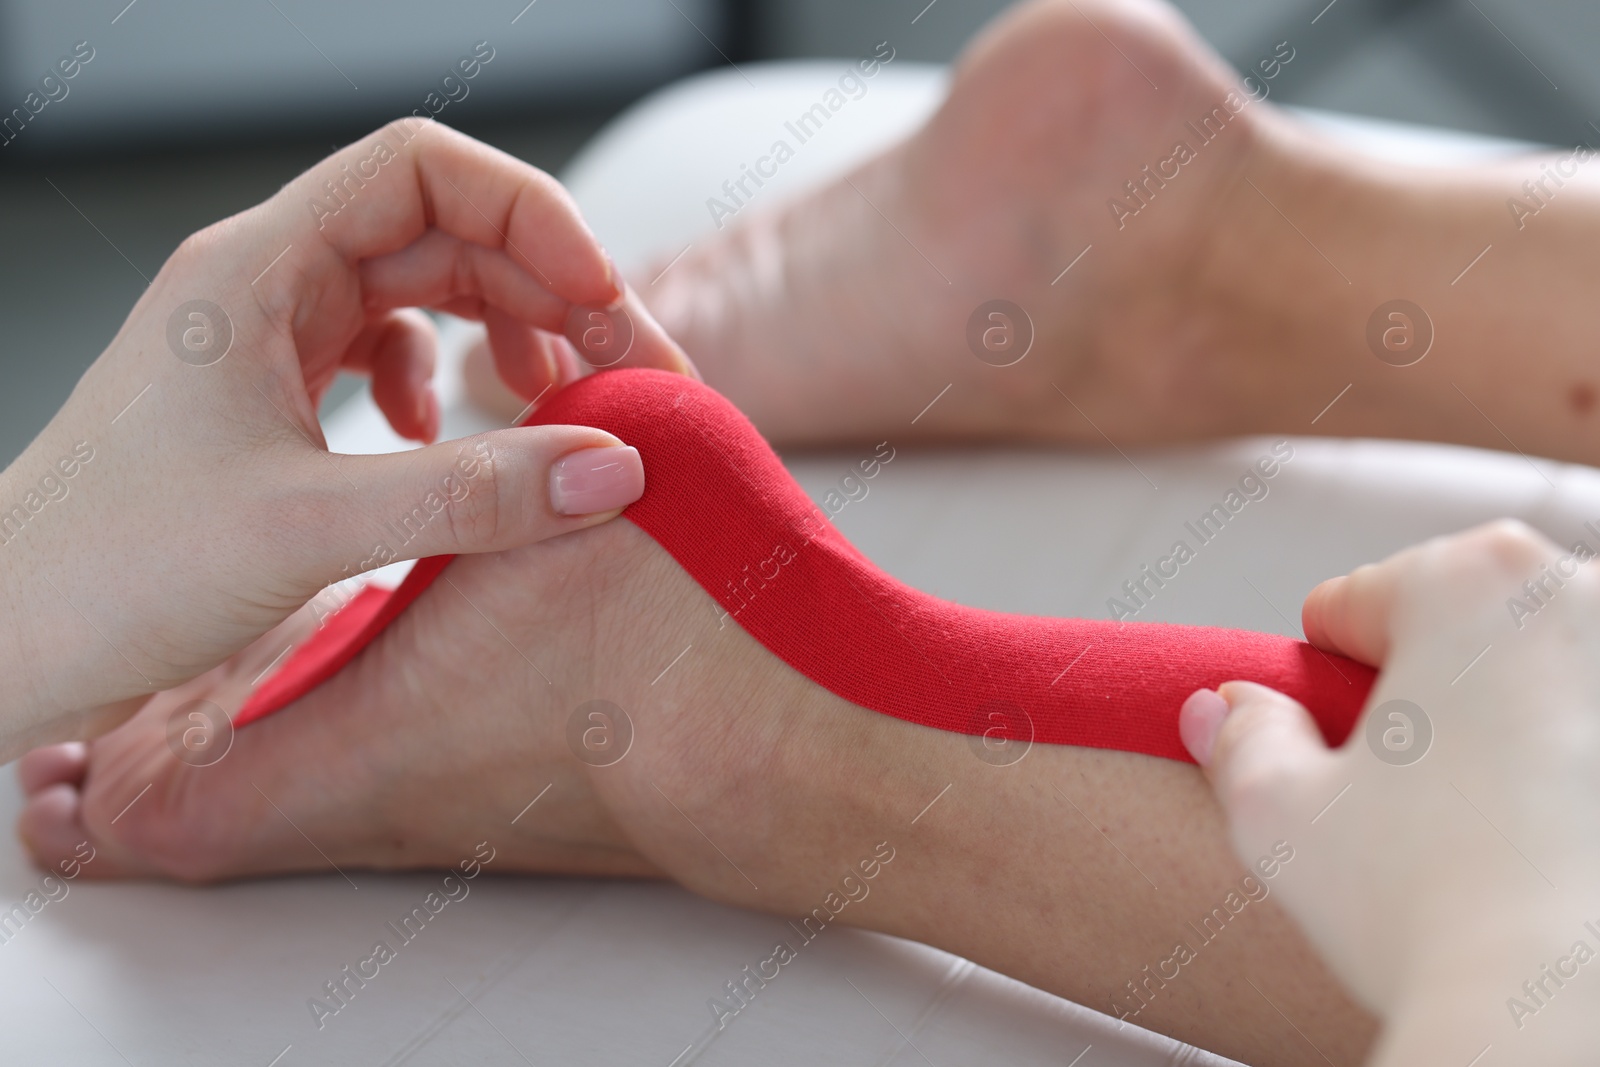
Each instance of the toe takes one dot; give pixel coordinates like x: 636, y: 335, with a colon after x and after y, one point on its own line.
x: 53, y: 830
x: 53, y: 765
x: 52, y: 823
x: 280, y: 798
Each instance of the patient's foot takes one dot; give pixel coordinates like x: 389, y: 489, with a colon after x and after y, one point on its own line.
x: 458, y: 717
x: 436, y: 738
x: 845, y: 313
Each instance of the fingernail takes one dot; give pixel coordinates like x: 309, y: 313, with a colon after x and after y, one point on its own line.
x: 552, y: 365
x: 428, y: 415
x: 593, y: 480
x: 613, y: 275
x: 689, y: 369
x: 1198, y: 722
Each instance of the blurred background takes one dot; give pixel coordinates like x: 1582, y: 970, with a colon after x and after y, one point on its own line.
x: 186, y: 111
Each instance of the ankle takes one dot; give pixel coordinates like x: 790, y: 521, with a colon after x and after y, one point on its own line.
x: 1269, y: 302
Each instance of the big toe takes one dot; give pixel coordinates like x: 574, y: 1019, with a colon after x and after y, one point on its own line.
x: 52, y: 823
x: 52, y: 829
x: 265, y: 800
x: 81, y: 800
x: 52, y: 765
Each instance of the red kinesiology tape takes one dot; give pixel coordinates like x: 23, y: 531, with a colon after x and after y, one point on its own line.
x: 719, y: 500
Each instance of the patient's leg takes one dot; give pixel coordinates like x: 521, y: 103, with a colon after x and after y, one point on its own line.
x: 1238, y: 265
x: 1058, y: 111
x: 1078, y: 870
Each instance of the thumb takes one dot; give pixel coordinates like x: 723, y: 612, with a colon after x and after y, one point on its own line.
x: 1260, y: 750
x: 487, y: 493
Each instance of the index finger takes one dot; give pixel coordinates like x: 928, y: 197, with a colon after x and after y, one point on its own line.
x: 387, y: 191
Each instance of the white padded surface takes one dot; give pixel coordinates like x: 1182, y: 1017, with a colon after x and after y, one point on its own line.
x: 561, y: 972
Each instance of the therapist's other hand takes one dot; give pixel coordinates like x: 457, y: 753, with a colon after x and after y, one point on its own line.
x: 184, y: 501
x: 1445, y: 855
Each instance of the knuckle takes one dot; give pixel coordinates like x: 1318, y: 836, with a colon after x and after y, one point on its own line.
x: 1478, y: 562
x: 404, y: 129
x: 1359, y: 588
x: 198, y: 248
x: 492, y: 499
x: 545, y: 186
x: 413, y: 135
x: 1509, y: 545
x: 208, y: 261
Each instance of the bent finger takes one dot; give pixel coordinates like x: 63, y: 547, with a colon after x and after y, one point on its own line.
x: 387, y: 190
x: 399, y: 350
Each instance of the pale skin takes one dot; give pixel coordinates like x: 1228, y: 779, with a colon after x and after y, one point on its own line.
x: 183, y: 502
x: 1467, y: 929
x: 1205, y: 314
x: 1185, y: 327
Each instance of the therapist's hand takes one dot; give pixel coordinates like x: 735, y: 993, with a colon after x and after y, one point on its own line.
x: 1446, y: 854
x: 184, y: 501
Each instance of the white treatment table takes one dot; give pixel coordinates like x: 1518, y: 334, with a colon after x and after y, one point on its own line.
x: 526, y: 970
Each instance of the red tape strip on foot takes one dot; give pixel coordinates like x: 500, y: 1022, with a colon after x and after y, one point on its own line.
x: 721, y: 503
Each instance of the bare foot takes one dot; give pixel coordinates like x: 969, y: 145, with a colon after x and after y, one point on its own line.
x: 828, y: 316
x: 743, y: 781
x: 455, y: 718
